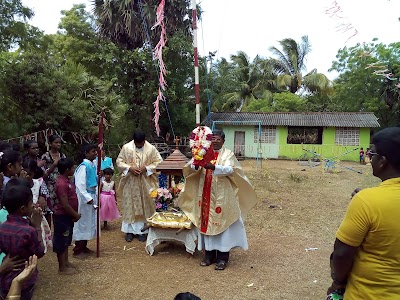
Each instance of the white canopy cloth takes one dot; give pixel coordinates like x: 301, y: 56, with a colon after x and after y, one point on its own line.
x: 158, y: 235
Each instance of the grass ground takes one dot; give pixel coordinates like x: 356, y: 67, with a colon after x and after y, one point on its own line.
x: 298, y: 208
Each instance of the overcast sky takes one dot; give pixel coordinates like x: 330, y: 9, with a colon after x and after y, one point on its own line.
x: 255, y: 25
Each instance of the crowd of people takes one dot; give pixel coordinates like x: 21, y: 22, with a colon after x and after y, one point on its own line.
x: 40, y: 192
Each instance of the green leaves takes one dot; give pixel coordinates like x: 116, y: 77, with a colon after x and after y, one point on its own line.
x: 121, y: 21
x: 369, y: 75
x: 64, y: 80
x: 13, y: 29
x: 288, y: 65
x: 261, y: 84
x: 57, y: 83
x: 47, y: 95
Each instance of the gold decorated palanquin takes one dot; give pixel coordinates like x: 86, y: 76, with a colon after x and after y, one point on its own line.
x: 170, y: 219
x: 172, y: 167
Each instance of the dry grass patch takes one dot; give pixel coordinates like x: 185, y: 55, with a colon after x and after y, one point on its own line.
x: 296, y: 210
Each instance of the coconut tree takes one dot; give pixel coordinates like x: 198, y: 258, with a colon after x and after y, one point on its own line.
x: 249, y: 81
x: 121, y: 20
x: 289, y: 64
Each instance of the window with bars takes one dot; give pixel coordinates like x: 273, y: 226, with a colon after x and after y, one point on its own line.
x: 347, y: 136
x: 268, y: 134
x: 304, y: 135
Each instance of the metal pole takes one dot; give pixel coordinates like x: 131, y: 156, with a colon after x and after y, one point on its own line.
x: 209, y: 93
x: 196, y: 62
x: 259, y: 142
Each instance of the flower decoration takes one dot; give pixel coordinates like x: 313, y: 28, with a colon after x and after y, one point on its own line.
x: 162, y: 180
x: 153, y: 194
x: 162, y: 198
x: 201, y: 144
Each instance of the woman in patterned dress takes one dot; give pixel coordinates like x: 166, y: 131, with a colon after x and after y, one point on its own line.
x: 52, y: 158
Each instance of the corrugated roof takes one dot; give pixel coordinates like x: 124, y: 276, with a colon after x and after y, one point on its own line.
x: 312, y: 119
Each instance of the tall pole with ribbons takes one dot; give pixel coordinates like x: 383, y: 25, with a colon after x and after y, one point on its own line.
x: 196, y: 62
x: 99, y: 158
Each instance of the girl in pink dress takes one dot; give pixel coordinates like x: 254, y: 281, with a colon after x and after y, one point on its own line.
x: 108, y: 200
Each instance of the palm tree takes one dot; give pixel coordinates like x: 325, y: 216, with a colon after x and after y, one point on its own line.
x: 249, y: 81
x: 289, y: 65
x: 121, y: 20
x: 223, y: 82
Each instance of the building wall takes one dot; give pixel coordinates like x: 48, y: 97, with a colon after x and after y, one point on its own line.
x: 281, y: 149
x: 250, y: 148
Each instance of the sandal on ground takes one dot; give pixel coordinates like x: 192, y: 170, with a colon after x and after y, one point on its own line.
x: 142, y: 237
x: 207, y: 262
x: 221, y: 265
x: 129, y: 237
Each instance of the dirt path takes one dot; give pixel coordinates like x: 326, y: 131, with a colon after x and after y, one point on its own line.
x: 296, y: 210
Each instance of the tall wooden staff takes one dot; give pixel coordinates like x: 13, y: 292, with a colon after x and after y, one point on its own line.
x: 99, y: 158
x: 196, y: 62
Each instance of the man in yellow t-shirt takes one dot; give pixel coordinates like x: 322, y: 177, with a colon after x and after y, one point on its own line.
x: 366, y: 257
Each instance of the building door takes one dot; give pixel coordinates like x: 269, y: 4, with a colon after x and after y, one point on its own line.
x: 239, y: 143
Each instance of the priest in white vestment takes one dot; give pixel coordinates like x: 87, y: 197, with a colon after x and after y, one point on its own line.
x: 137, y: 161
x: 216, y: 199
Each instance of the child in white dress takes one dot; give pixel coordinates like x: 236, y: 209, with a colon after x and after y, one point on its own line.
x: 40, y: 197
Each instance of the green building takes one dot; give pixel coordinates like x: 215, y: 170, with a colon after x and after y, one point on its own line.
x: 285, y: 135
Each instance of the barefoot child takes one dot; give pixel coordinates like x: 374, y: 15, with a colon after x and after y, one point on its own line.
x: 86, y: 189
x: 108, y: 200
x: 362, y: 155
x: 19, y: 236
x: 65, y: 214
